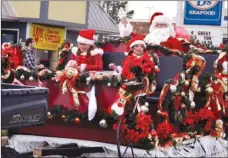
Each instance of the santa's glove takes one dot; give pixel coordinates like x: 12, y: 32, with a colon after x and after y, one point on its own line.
x: 125, y: 30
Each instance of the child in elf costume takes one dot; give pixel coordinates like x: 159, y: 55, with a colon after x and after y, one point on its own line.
x: 138, y: 69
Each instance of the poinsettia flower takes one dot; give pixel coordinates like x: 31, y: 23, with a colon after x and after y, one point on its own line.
x: 221, y: 46
x: 208, y: 126
x: 164, y: 130
x: 190, y: 119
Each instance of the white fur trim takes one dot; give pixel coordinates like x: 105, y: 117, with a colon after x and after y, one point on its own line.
x: 4, y: 45
x: 126, y: 53
x: 97, y: 51
x: 125, y: 31
x: 83, y: 40
x: 161, y: 19
x: 138, y: 42
x: 74, y: 50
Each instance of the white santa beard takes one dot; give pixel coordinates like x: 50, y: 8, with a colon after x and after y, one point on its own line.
x: 158, y: 35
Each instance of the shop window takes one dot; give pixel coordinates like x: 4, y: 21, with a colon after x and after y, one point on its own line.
x: 9, y: 35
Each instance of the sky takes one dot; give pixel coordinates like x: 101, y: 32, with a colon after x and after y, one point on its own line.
x: 143, y: 9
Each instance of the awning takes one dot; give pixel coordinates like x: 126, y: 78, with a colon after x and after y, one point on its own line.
x: 8, y: 12
x: 100, y: 20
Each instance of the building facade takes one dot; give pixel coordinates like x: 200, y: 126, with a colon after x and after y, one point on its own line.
x: 49, y: 23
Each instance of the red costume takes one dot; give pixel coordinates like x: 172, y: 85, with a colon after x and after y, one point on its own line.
x: 154, y: 37
x: 93, y: 60
x: 160, y: 29
x: 173, y: 43
x: 146, y: 63
x: 143, y: 61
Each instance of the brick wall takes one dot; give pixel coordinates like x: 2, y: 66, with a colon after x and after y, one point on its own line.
x: 141, y: 27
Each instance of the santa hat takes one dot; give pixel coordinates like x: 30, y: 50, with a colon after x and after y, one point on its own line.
x: 86, y: 37
x: 134, y: 41
x: 153, y: 16
x: 158, y: 18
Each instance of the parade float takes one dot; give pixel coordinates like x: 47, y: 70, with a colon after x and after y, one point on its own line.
x: 188, y: 103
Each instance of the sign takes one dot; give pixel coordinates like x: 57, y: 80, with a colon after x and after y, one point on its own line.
x: 48, y: 38
x: 213, y: 37
x: 203, y: 12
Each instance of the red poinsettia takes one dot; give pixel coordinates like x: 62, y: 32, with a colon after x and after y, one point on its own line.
x: 141, y: 130
x: 164, y: 130
x: 221, y: 46
x: 204, y: 114
x: 190, y: 119
x: 143, y: 121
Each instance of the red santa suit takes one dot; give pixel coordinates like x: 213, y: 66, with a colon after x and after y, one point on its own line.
x: 160, y: 36
x: 163, y: 35
x: 91, y: 61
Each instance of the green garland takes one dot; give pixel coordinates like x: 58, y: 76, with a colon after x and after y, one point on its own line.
x: 165, y: 51
x: 205, y: 45
x: 102, y: 40
x: 75, y: 117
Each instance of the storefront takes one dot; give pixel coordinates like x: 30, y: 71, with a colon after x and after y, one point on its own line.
x: 47, y: 39
x: 13, y: 31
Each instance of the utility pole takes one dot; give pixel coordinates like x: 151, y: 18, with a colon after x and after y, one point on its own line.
x: 149, y: 9
x: 180, y: 13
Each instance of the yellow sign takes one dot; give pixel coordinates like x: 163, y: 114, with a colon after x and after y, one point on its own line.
x: 48, y: 38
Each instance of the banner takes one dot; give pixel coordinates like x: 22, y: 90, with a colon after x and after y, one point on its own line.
x: 48, y: 38
x: 203, y: 12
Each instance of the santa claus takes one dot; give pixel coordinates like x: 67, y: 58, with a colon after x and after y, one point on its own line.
x: 161, y: 32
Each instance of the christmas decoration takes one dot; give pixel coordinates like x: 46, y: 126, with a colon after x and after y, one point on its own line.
x: 139, y: 130
x: 103, y: 123
x: 50, y: 116
x: 103, y: 39
x: 74, y: 116
x: 77, y: 120
x: 31, y: 78
x: 22, y: 77
x: 177, y: 96
x: 92, y: 106
x: 203, y: 47
x: 64, y: 51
